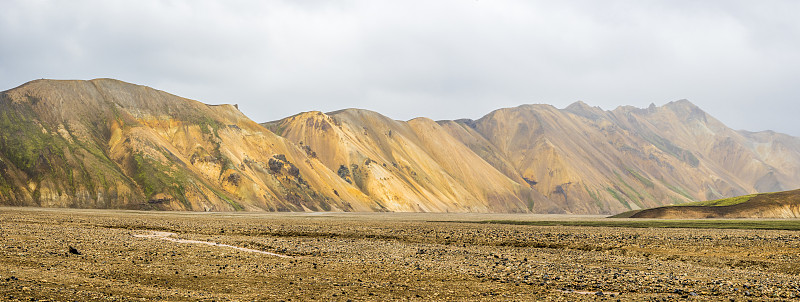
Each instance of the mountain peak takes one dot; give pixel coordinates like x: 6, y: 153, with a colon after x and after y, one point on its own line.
x: 686, y: 110
x: 111, y: 80
x: 579, y: 104
x: 352, y: 111
x: 536, y: 107
x: 55, y: 81
x: 682, y: 103
x: 582, y: 109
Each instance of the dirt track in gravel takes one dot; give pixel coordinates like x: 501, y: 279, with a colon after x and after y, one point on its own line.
x: 170, y: 237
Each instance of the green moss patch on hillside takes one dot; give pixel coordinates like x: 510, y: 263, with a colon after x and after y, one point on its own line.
x: 23, y: 141
x: 632, y: 193
x: 678, y: 190
x: 618, y: 197
x: 644, y: 180
x: 154, y: 178
x: 719, y: 202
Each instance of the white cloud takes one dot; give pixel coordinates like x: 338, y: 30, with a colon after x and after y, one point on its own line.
x: 441, y: 59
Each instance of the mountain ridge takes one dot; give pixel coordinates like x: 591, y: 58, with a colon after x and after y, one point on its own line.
x: 105, y: 143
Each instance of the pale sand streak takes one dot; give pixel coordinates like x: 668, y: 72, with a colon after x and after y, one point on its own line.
x: 168, y: 236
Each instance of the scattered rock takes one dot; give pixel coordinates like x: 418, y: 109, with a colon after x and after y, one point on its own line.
x: 74, y: 251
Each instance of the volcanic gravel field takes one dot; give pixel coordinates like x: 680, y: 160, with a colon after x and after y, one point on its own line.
x: 96, y: 255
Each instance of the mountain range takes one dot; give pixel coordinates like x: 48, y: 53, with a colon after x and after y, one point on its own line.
x: 105, y: 143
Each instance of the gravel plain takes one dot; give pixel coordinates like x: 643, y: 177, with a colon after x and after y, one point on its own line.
x: 119, y: 256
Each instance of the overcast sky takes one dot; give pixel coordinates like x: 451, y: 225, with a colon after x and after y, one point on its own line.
x: 738, y: 60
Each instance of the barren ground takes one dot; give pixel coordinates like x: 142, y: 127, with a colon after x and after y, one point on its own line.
x: 358, y: 257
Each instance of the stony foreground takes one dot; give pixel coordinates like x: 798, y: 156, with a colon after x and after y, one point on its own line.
x: 119, y: 256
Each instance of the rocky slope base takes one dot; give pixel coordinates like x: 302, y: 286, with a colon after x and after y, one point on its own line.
x: 110, y: 144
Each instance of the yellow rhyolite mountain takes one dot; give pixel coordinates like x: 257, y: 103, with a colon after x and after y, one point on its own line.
x: 109, y: 144
x: 585, y: 159
x: 407, y: 166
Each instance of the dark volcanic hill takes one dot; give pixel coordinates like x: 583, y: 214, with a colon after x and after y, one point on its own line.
x: 109, y: 144
x: 784, y: 204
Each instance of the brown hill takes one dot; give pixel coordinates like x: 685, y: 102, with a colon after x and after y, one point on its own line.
x: 766, y: 205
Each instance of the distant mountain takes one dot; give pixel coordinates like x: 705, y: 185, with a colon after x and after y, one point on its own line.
x: 784, y: 204
x: 109, y: 144
x: 587, y: 160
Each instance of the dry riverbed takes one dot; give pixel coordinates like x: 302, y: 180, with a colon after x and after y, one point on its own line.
x: 124, y: 256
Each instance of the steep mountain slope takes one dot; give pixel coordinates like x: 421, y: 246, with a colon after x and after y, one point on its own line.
x: 588, y: 160
x: 749, y: 162
x: 407, y: 166
x: 784, y: 204
x: 109, y: 144
x: 583, y: 165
